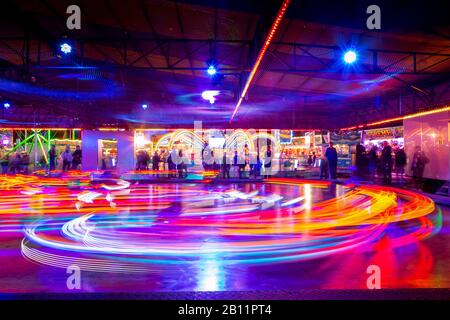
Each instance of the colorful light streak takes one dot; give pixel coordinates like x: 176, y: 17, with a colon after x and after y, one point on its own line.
x: 149, y: 227
x: 261, y: 54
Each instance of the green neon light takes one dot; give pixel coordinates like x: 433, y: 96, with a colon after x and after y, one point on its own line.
x: 43, y: 137
x: 48, y: 139
x: 42, y: 149
x: 18, y: 146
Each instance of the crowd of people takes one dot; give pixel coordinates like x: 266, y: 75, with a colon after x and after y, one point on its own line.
x: 244, y: 163
x: 386, y: 159
x: 159, y: 160
x: 19, y: 161
x: 14, y: 162
x: 372, y: 161
x: 70, y: 160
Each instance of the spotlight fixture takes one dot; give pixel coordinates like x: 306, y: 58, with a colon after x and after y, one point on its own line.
x: 65, y: 48
x: 6, y: 105
x: 212, y: 69
x: 144, y: 106
x: 350, y: 56
x: 210, y: 95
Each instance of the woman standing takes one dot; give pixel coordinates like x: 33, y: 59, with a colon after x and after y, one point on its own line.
x: 67, y: 159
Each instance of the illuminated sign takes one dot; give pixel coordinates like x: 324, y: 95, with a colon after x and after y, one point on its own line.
x: 384, y: 133
x: 285, y: 136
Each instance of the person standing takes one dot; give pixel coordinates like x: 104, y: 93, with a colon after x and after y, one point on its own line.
x: 241, y: 165
x: 257, y: 167
x: 268, y: 163
x: 418, y: 166
x: 246, y: 157
x: 52, y: 157
x: 331, y: 155
x: 310, y: 160
x: 67, y: 158
x: 238, y: 164
x: 386, y: 161
x: 155, y: 161
x: 24, y: 162
x: 14, y: 163
x: 324, y: 174
x: 225, y: 166
x: 146, y: 160
x: 360, y: 157
x: 373, y: 161
x: 180, y: 165
x: 170, y: 164
x: 76, y: 158
x: 400, y: 163
x: 207, y: 159
x: 4, y: 160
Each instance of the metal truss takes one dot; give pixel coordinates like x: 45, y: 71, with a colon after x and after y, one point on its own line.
x: 288, y: 57
x: 408, y: 102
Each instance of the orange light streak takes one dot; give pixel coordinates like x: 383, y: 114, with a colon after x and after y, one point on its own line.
x: 409, y: 116
x: 269, y: 38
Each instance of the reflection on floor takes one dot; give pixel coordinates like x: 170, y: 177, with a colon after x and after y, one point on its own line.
x: 280, y: 234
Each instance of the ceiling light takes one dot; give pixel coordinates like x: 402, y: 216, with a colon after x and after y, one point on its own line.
x: 65, y: 48
x: 350, y: 56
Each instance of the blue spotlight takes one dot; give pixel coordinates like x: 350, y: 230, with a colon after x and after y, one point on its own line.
x: 144, y: 106
x: 65, y: 48
x: 350, y: 56
x: 6, y: 105
x: 211, y: 70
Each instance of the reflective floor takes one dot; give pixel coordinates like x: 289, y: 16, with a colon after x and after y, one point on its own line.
x: 272, y: 235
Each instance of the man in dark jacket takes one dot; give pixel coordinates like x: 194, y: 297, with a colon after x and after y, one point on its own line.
x: 386, y: 162
x: 76, y: 158
x: 170, y: 165
x: 155, y: 161
x: 360, y: 159
x: 331, y: 155
x: 52, y: 157
x: 225, y: 166
x: 400, y: 163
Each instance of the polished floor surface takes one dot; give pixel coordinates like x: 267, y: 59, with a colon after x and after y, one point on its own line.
x: 280, y: 234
